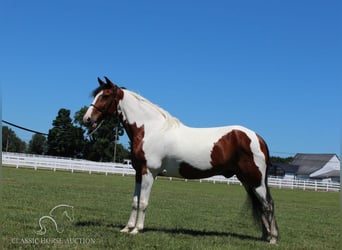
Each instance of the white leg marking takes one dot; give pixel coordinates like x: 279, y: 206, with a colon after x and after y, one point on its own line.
x: 146, y: 186
x: 133, y: 217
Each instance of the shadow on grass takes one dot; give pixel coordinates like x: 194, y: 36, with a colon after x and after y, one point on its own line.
x: 185, y: 231
x: 193, y: 232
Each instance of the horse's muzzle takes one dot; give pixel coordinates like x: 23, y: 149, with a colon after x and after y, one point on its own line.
x: 89, y: 123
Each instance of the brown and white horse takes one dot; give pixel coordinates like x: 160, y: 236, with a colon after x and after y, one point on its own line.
x: 161, y: 144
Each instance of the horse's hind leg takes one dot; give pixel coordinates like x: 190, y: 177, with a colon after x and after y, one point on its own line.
x: 263, y: 209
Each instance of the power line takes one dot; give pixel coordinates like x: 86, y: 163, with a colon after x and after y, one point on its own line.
x: 26, y: 129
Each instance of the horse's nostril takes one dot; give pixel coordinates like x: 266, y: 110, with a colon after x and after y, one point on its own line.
x: 87, y: 120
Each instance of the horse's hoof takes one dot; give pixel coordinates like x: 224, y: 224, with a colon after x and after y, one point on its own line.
x: 273, y: 240
x: 134, y: 231
x: 125, y: 230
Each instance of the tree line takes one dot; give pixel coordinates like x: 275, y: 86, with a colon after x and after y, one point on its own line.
x: 68, y: 138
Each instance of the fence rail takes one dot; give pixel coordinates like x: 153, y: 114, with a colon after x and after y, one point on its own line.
x: 68, y: 164
x: 56, y: 163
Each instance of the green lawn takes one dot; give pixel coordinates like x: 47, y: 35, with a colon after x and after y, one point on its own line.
x: 181, y: 215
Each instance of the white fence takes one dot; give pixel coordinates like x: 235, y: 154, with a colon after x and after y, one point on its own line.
x: 67, y: 164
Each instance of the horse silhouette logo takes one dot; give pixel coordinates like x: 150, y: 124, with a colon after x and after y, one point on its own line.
x: 56, y: 215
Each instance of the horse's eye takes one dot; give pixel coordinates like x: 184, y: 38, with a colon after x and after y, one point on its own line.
x: 105, y: 97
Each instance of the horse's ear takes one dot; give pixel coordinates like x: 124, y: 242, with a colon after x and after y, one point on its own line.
x: 100, y: 81
x: 109, y: 81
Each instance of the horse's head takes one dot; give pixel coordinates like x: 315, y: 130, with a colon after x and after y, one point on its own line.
x: 106, y: 99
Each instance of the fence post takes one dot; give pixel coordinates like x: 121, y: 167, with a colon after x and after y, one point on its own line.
x: 18, y: 162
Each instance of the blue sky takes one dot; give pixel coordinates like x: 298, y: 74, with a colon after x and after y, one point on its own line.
x: 272, y: 66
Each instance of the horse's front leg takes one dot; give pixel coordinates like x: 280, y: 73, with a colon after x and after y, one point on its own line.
x: 145, y: 191
x: 133, y: 217
x: 141, y: 197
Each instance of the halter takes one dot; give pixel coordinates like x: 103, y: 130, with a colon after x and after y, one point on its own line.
x: 99, y: 109
x: 105, y: 110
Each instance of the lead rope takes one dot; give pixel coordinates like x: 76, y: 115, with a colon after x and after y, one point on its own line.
x: 97, y: 127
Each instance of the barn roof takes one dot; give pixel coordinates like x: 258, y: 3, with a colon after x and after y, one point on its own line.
x: 309, y: 163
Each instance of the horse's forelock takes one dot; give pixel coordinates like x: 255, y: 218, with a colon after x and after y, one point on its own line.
x: 100, y: 88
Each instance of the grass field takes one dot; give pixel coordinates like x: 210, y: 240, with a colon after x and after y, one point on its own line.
x: 181, y: 215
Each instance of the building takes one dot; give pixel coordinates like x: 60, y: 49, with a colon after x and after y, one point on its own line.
x: 309, y: 166
x: 317, y: 166
x: 283, y: 170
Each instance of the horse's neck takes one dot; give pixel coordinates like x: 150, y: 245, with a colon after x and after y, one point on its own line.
x: 137, y: 110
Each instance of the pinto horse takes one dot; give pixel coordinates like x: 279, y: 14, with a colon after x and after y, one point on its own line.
x: 162, y: 145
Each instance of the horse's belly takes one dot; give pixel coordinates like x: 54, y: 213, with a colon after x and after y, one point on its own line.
x: 189, y: 164
x: 170, y: 168
x: 183, y: 169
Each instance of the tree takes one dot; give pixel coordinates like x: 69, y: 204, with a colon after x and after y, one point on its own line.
x: 78, y: 118
x: 122, y: 153
x: 64, y: 139
x: 100, y: 146
x: 11, y: 142
x: 37, y: 144
x: 277, y: 159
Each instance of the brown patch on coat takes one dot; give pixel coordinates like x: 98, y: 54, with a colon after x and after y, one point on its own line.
x: 233, y: 153
x: 107, y: 103
x: 136, y: 135
x: 189, y: 172
x: 119, y: 94
x: 230, y: 155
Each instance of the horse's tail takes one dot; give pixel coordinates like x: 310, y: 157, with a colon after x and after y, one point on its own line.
x: 255, y: 204
x: 267, y: 161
